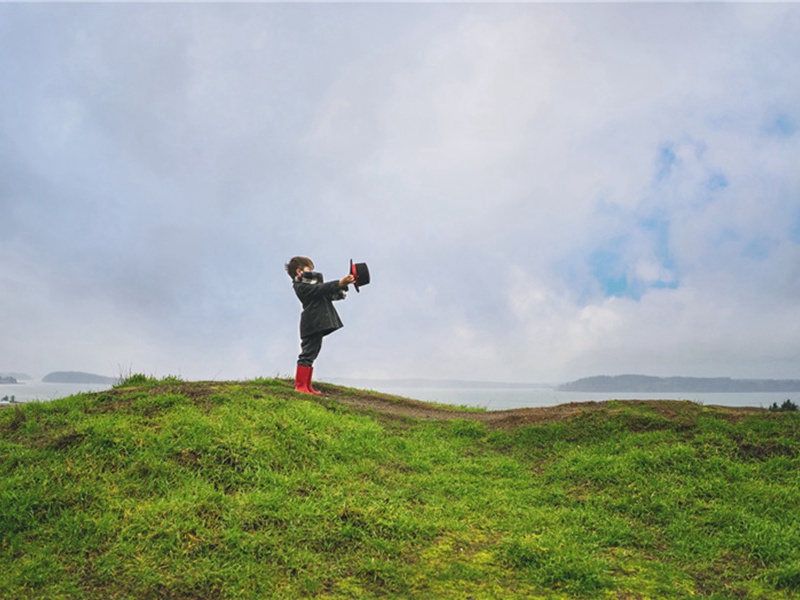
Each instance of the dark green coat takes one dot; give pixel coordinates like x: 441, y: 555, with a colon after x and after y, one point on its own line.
x: 319, y: 316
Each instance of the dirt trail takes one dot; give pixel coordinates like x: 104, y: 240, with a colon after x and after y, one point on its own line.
x: 507, y: 419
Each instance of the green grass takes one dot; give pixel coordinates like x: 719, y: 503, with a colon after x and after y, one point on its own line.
x: 170, y: 489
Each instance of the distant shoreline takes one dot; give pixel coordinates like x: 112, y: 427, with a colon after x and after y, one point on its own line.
x: 597, y: 384
x: 648, y: 384
x: 78, y: 377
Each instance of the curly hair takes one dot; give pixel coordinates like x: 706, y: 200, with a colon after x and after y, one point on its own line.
x: 298, y: 262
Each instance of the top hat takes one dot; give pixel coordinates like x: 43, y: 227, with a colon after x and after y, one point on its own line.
x: 361, y: 272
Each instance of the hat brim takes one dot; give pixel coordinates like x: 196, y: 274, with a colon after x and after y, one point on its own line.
x: 354, y: 274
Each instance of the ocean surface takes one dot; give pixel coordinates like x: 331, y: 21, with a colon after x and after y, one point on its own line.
x: 39, y: 391
x: 488, y: 398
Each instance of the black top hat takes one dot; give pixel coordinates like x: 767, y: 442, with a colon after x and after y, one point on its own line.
x: 361, y: 272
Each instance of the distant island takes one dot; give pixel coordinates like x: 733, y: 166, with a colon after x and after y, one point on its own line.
x: 648, y: 384
x: 78, y: 377
x: 4, y: 379
x: 17, y: 376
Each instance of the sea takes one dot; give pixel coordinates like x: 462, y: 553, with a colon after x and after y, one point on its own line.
x: 489, y: 398
x: 41, y: 391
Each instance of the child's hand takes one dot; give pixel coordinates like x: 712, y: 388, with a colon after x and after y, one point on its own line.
x: 347, y: 280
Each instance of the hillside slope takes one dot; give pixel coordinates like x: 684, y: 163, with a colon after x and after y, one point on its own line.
x: 172, y: 489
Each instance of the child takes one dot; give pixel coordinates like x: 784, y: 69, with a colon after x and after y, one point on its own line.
x: 319, y: 317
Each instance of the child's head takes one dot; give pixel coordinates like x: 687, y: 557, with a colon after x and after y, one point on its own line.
x: 298, y: 262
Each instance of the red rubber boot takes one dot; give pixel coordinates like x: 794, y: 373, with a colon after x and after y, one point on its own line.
x: 301, y: 380
x: 308, y: 383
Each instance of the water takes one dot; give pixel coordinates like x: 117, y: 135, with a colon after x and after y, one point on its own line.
x: 505, y: 398
x: 40, y: 391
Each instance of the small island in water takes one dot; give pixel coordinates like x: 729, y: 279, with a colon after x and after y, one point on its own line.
x: 11, y: 377
x: 78, y: 377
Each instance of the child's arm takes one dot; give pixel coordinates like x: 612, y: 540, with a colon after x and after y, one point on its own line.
x: 310, y: 291
x: 342, y: 293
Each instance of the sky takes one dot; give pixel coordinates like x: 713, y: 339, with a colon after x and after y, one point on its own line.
x: 541, y: 191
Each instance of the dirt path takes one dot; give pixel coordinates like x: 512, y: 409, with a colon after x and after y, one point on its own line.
x: 508, y: 419
x: 421, y: 410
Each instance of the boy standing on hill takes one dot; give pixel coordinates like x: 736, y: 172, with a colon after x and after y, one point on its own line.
x: 319, y: 317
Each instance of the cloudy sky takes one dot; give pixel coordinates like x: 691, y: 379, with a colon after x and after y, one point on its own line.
x: 542, y: 192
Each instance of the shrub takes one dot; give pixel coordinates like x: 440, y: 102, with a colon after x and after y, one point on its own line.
x: 787, y: 406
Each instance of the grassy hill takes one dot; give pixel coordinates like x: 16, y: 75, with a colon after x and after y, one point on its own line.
x: 172, y: 489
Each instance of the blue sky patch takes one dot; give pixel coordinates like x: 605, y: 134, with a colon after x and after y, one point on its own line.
x: 717, y: 181
x: 665, y: 162
x: 794, y: 232
x: 658, y: 230
x: 782, y: 125
x: 613, y: 266
x: 759, y: 249
x: 608, y: 270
